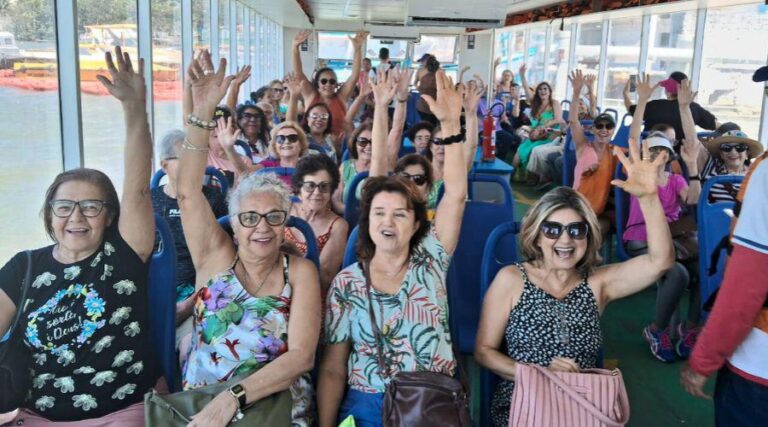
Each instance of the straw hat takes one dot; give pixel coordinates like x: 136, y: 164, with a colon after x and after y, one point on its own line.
x: 735, y: 137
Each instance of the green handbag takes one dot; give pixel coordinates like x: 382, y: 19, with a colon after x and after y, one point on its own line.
x: 177, y: 409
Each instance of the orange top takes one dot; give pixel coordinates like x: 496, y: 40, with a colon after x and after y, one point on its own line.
x: 596, y: 187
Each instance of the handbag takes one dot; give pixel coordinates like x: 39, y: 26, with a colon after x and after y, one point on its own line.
x: 592, y: 397
x: 15, y: 378
x: 421, y: 398
x: 177, y: 409
x: 684, y: 238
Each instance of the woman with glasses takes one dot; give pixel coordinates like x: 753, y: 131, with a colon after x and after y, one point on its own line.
x: 85, y: 322
x: 315, y: 179
x: 359, y: 161
x: 254, y: 131
x: 257, y: 310
x: 278, y: 90
x: 420, y: 135
x: 316, y: 121
x: 324, y: 87
x: 547, y: 309
x: 400, y: 281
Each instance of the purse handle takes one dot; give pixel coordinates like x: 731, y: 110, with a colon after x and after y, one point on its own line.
x: 20, y: 304
x: 589, y: 406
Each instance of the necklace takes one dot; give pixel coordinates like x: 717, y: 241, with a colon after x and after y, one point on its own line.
x: 248, y: 278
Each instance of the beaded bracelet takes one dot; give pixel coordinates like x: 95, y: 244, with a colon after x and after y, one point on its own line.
x: 203, y: 124
x: 186, y: 144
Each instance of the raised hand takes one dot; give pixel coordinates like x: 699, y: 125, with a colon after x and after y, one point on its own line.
x: 589, y: 82
x: 523, y: 69
x: 384, y: 89
x: 644, y: 88
x: 642, y: 175
x: 497, y: 62
x: 301, y: 37
x: 208, y: 86
x: 577, y: 79
x: 242, y: 75
x: 124, y: 83
x: 472, y: 95
x: 403, y: 83
x: 358, y: 39
x: 365, y: 86
x: 685, y: 94
x: 447, y: 106
x: 293, y: 83
x: 227, y: 132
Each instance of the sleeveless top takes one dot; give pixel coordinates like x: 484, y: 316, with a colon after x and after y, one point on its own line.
x: 542, y: 327
x: 237, y: 333
x: 338, y: 110
x: 596, y: 188
x: 321, y: 239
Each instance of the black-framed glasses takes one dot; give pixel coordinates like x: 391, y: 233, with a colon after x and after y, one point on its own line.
x: 362, y: 142
x: 553, y: 230
x: 740, y: 148
x: 309, y: 186
x: 287, y: 139
x: 328, y: 81
x: 249, y: 116
x: 601, y: 126
x: 252, y: 219
x: 279, y: 90
x: 437, y: 141
x: 64, y: 208
x: 418, y: 179
x: 316, y: 116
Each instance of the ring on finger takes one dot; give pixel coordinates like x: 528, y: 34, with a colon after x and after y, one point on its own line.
x: 207, y: 72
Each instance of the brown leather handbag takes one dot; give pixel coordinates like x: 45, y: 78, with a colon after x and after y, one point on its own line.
x: 421, y: 398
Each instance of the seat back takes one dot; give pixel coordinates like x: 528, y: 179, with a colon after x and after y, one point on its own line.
x: 352, y: 203
x: 350, y: 256
x: 621, y: 199
x: 621, y: 137
x: 319, y: 148
x: 210, y: 171
x: 279, y: 171
x: 714, y: 225
x: 569, y: 159
x: 412, y: 114
x: 246, y: 148
x: 162, y: 299
x: 613, y: 112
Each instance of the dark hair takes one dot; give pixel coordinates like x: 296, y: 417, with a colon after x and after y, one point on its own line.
x: 417, y: 160
x: 383, y: 53
x: 352, y: 141
x: 432, y: 64
x: 419, y: 127
x: 678, y: 76
x: 537, y: 103
x: 661, y: 127
x: 305, y: 119
x: 367, y: 59
x: 316, y: 79
x: 263, y: 128
x: 366, y: 249
x: 260, y: 93
x: 91, y: 176
x: 312, y: 164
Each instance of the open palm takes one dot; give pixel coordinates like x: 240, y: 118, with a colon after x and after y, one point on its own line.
x: 124, y: 83
x: 447, y: 106
x: 208, y: 87
x: 642, y: 175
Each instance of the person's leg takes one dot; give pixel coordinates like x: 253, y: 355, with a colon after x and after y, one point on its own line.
x: 738, y: 401
x: 506, y: 144
x: 671, y: 288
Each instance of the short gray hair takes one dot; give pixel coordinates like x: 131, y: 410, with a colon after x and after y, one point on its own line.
x: 169, y: 145
x: 255, y: 183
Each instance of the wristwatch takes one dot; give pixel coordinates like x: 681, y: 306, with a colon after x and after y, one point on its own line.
x: 238, y: 391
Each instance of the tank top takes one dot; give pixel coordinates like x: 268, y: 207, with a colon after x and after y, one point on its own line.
x: 542, y: 327
x: 596, y: 188
x: 322, y: 239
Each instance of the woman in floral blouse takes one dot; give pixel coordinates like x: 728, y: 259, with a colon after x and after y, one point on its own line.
x: 407, y: 258
x: 248, y: 291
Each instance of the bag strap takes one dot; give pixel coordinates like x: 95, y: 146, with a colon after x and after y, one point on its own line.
x: 374, y: 326
x: 20, y: 303
x: 589, y: 406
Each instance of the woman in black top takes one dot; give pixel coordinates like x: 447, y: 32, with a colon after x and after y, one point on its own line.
x: 85, y: 317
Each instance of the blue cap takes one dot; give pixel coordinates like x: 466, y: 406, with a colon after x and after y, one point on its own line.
x: 423, y: 57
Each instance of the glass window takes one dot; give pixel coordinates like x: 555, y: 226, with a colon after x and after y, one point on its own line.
x: 31, y: 135
x: 397, y: 49
x: 333, y: 45
x: 588, y: 47
x: 537, y: 55
x: 166, y: 65
x: 557, y: 64
x: 240, y: 35
x: 623, y: 57
x: 254, y: 58
x: 670, y: 44
x: 224, y: 29
x: 442, y: 47
x: 102, y: 117
x: 735, y: 45
x: 201, y: 24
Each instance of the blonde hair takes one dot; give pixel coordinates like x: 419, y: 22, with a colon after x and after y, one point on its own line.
x: 304, y: 144
x: 554, y: 200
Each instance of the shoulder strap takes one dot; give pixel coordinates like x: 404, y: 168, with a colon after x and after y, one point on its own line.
x: 285, y: 269
x: 376, y: 332
x: 20, y: 304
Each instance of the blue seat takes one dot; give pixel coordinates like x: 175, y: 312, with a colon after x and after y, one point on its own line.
x: 210, y: 171
x: 313, y: 254
x: 319, y: 148
x: 621, y: 200
x: 714, y: 225
x: 566, y: 115
x: 621, y: 137
x: 352, y: 203
x: 569, y: 154
x: 705, y: 135
x: 613, y: 112
x: 246, y: 148
x: 480, y: 218
x: 162, y: 299
x: 564, y: 104
x: 279, y: 171
x: 350, y: 256
x: 345, y: 156
x: 406, y: 150
x: 412, y: 114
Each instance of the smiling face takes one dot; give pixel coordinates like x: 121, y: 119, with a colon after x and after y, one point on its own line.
x: 417, y: 173
x: 601, y: 131
x: 318, y: 119
x: 564, y: 252
x: 287, y: 143
x: 506, y: 76
x: 363, y: 145
x: 733, y: 159
x: 392, y: 224
x: 329, y: 87
x: 277, y: 91
x: 421, y: 140
x: 262, y: 240
x: 317, y: 199
x: 250, y: 122
x: 76, y: 232
x: 543, y: 92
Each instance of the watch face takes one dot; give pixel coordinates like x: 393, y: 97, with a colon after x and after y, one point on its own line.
x: 237, y: 389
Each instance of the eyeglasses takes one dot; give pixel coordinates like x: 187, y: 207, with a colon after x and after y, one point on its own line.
x: 65, y: 208
x: 659, y: 149
x: 740, y: 148
x: 251, y: 219
x: 418, y: 179
x: 437, y: 141
x: 553, y: 230
x: 601, y: 126
x: 362, y: 142
x: 249, y: 116
x: 171, y: 158
x: 287, y: 139
x: 278, y: 90
x: 315, y: 116
x: 327, y: 81
x: 309, y: 186
x: 425, y: 138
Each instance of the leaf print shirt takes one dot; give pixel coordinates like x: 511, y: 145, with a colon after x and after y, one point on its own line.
x: 413, y: 322
x: 86, y: 326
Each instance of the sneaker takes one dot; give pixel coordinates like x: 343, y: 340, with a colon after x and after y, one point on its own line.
x: 688, y: 337
x: 660, y: 342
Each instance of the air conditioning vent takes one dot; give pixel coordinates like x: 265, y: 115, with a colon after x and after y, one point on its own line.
x: 428, y: 21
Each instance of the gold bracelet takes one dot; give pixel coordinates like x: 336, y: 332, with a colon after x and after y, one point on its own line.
x: 186, y: 144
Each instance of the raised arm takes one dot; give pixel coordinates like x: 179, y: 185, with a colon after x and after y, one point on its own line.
x: 577, y: 80
x: 625, y: 278
x: 298, y: 68
x: 691, y: 144
x: 349, y: 117
x: 209, y: 245
x: 494, y: 82
x: 293, y: 83
x: 474, y: 92
x: 136, y: 224
x: 463, y: 70
x: 625, y: 96
x: 395, y: 137
x: 383, y: 92
x: 243, y: 74
x: 357, y: 62
x: 529, y: 94
x: 644, y: 92
x: 591, y: 81
x: 447, y: 109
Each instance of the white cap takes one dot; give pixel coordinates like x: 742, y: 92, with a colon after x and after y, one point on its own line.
x: 658, y: 139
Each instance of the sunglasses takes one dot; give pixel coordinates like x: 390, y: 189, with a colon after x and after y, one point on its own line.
x: 553, y: 230
x: 323, y: 117
x: 362, y: 142
x: 249, y: 116
x: 251, y: 219
x: 601, y: 126
x: 327, y: 81
x: 740, y: 148
x: 437, y: 141
x: 278, y: 90
x: 287, y: 139
x: 309, y: 186
x: 418, y: 179
x: 64, y: 208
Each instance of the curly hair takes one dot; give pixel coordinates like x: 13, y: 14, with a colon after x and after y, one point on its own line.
x: 312, y: 164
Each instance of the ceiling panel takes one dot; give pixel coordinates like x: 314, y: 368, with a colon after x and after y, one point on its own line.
x: 285, y: 12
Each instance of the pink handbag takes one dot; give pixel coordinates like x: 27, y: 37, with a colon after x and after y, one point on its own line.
x: 592, y: 397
